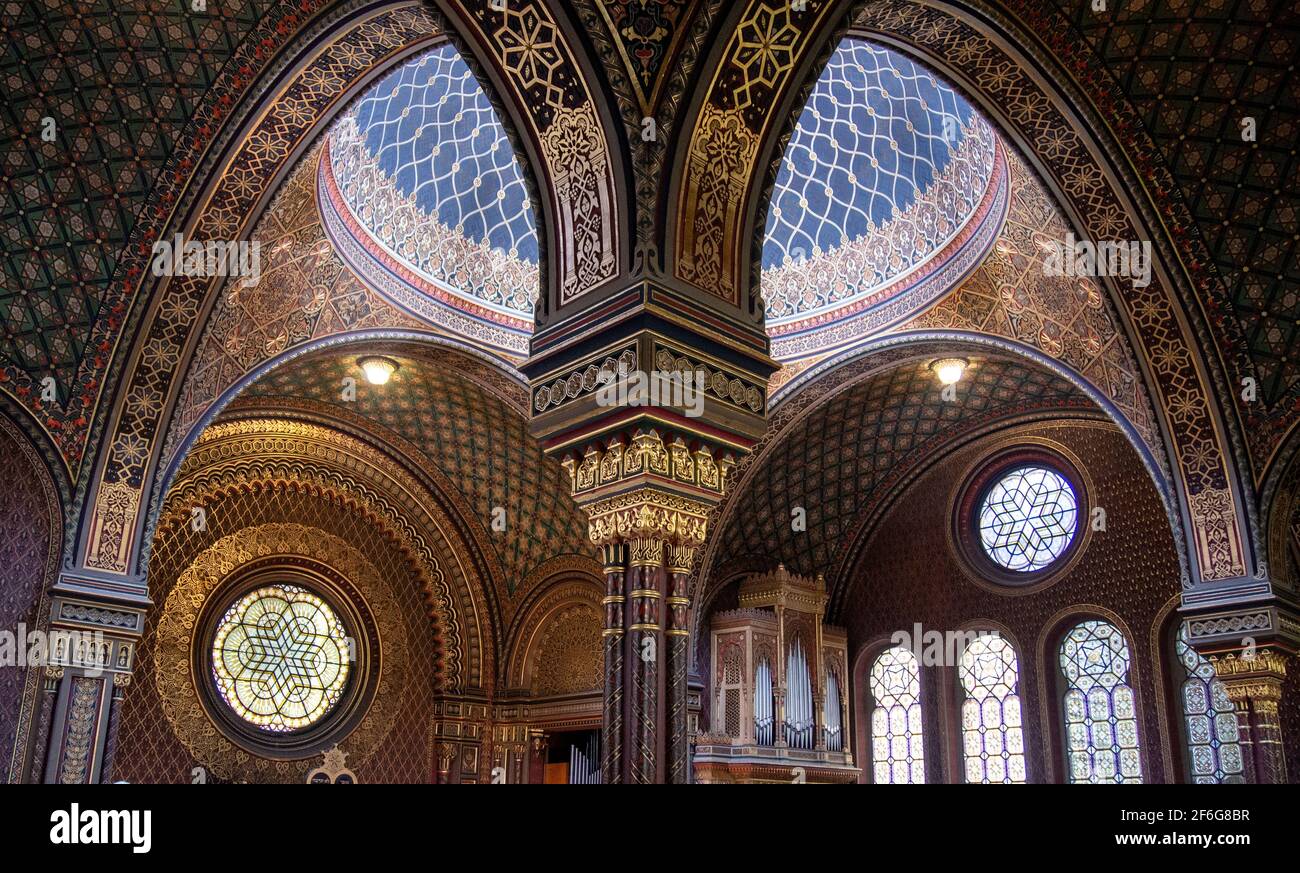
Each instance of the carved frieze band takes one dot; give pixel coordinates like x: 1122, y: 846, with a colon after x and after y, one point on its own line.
x: 648, y: 454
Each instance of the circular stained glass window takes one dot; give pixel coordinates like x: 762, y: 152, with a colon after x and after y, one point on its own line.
x: 280, y: 658
x: 1027, y: 518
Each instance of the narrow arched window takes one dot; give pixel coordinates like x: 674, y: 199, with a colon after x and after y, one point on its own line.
x: 763, y: 713
x: 799, y: 725
x: 993, y: 738
x: 1101, y: 730
x: 1209, y: 719
x: 897, y: 750
x: 831, y: 717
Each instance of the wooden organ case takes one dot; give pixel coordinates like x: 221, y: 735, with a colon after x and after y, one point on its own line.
x: 780, y: 707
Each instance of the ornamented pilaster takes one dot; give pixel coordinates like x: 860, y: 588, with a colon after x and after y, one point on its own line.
x: 1254, y: 685
x: 678, y: 634
x: 120, y: 683
x: 611, y: 737
x: 648, y: 536
x: 647, y: 407
x: 645, y: 650
x: 44, y: 719
x: 92, y: 645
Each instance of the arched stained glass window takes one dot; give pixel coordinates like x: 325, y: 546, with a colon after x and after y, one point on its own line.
x: 280, y: 658
x: 993, y: 739
x: 1213, y: 735
x: 1027, y: 519
x: 897, y: 749
x: 1101, y: 731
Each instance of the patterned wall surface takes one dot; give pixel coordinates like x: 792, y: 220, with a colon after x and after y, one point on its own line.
x: 909, y: 573
x: 305, y: 292
x: 480, y: 444
x: 29, y: 543
x: 1071, y: 320
x: 756, y: 67
x: 569, y: 658
x: 158, y: 743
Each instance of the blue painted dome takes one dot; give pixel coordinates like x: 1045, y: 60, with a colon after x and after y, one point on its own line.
x: 422, y: 193
x: 890, y: 179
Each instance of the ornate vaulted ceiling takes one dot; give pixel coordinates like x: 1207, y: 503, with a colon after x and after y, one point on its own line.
x: 146, y: 106
x: 840, y: 459
x: 474, y: 438
x: 1193, y: 72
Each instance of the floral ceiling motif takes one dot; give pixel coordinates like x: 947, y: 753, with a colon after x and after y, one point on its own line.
x: 892, y: 189
x: 422, y: 194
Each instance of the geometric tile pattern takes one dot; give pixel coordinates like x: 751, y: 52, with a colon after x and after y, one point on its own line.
x: 890, y: 190
x: 1193, y: 72
x: 843, y: 456
x: 480, y: 443
x: 1069, y: 319
x: 432, y: 131
x: 121, y: 84
x: 305, y: 292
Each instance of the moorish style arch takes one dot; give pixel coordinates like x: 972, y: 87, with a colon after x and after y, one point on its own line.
x: 643, y: 147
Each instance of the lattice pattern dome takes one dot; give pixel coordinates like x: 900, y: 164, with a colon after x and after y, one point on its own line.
x: 891, y: 190
x: 422, y: 193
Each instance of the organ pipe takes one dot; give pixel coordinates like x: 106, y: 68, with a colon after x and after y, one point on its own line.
x: 799, y: 722
x: 584, y: 762
x: 763, y: 704
x: 831, y: 717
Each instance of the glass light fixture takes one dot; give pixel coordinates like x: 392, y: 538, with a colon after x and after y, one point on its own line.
x: 378, y: 369
x: 949, y: 370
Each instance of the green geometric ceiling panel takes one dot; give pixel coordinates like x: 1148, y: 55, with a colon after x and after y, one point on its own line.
x: 120, y: 82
